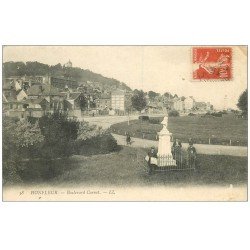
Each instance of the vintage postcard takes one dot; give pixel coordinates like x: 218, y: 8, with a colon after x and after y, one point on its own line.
x: 124, y: 123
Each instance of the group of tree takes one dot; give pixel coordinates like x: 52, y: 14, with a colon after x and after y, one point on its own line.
x: 11, y: 69
x: 138, y: 100
x: 52, y: 136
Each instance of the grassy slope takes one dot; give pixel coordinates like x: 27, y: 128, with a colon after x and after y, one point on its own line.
x: 126, y: 168
x: 219, y: 129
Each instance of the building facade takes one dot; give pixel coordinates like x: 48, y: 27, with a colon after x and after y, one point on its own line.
x: 104, y: 102
x: 179, y: 105
x: 189, y: 103
x: 118, y: 100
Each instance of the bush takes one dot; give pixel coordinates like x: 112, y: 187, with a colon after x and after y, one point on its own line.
x: 144, y: 118
x: 173, y: 113
x: 10, y: 173
x: 21, y: 140
x: 32, y: 120
x: 219, y: 114
x: 191, y: 114
x: 27, y: 145
x: 155, y: 120
x: 59, y: 133
x: 101, y: 144
x: 92, y: 139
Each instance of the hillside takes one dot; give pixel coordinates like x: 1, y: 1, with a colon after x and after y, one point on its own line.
x: 11, y: 69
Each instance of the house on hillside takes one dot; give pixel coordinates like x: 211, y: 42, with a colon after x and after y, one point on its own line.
x: 13, y: 97
x: 36, y: 107
x: 13, y: 90
x: 75, y: 103
x: 14, y: 108
x: 45, y: 91
x: 103, y: 102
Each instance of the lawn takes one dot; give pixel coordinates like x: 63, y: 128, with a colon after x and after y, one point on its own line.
x: 220, y: 130
x: 125, y: 168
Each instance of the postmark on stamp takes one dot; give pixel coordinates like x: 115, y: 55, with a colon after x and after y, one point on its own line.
x: 212, y: 63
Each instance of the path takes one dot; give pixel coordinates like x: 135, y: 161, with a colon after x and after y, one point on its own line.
x: 201, y: 148
x: 107, y: 121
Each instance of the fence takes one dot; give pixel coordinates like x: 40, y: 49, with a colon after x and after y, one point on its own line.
x: 204, y: 140
x: 179, y: 160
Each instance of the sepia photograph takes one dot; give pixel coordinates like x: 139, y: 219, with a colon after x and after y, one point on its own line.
x: 124, y: 123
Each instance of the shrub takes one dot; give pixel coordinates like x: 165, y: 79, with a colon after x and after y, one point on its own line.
x: 100, y: 144
x: 59, y: 133
x: 155, y: 120
x: 21, y: 139
x: 144, y: 118
x: 86, y: 131
x: 173, y: 113
x: 10, y: 173
x: 32, y: 120
x: 92, y: 139
x: 219, y: 114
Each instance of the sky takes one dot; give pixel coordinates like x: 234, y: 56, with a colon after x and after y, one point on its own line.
x: 158, y: 68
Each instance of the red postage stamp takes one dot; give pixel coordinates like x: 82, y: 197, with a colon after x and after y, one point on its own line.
x: 212, y: 63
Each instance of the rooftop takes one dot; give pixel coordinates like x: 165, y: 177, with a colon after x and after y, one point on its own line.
x: 105, y: 96
x: 74, y: 95
x: 118, y: 92
x: 42, y: 89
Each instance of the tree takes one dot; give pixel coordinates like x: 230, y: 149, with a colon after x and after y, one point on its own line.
x: 173, y: 113
x: 11, y: 69
x: 128, y: 103
x: 168, y: 95
x: 59, y: 133
x: 242, y: 102
x: 21, y: 139
x: 152, y: 94
x: 83, y: 103
x: 138, y: 100
x: 87, y: 131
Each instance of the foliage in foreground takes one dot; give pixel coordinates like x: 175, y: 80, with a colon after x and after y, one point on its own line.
x: 53, y: 136
x: 59, y: 135
x: 21, y: 139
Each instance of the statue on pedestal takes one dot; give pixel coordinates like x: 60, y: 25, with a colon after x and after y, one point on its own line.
x: 165, y: 157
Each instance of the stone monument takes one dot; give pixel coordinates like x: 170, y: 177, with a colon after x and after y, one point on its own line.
x: 165, y: 157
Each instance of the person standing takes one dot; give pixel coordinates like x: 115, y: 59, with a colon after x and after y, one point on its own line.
x: 191, y: 155
x: 177, y: 151
x: 128, y: 139
x: 152, y: 155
